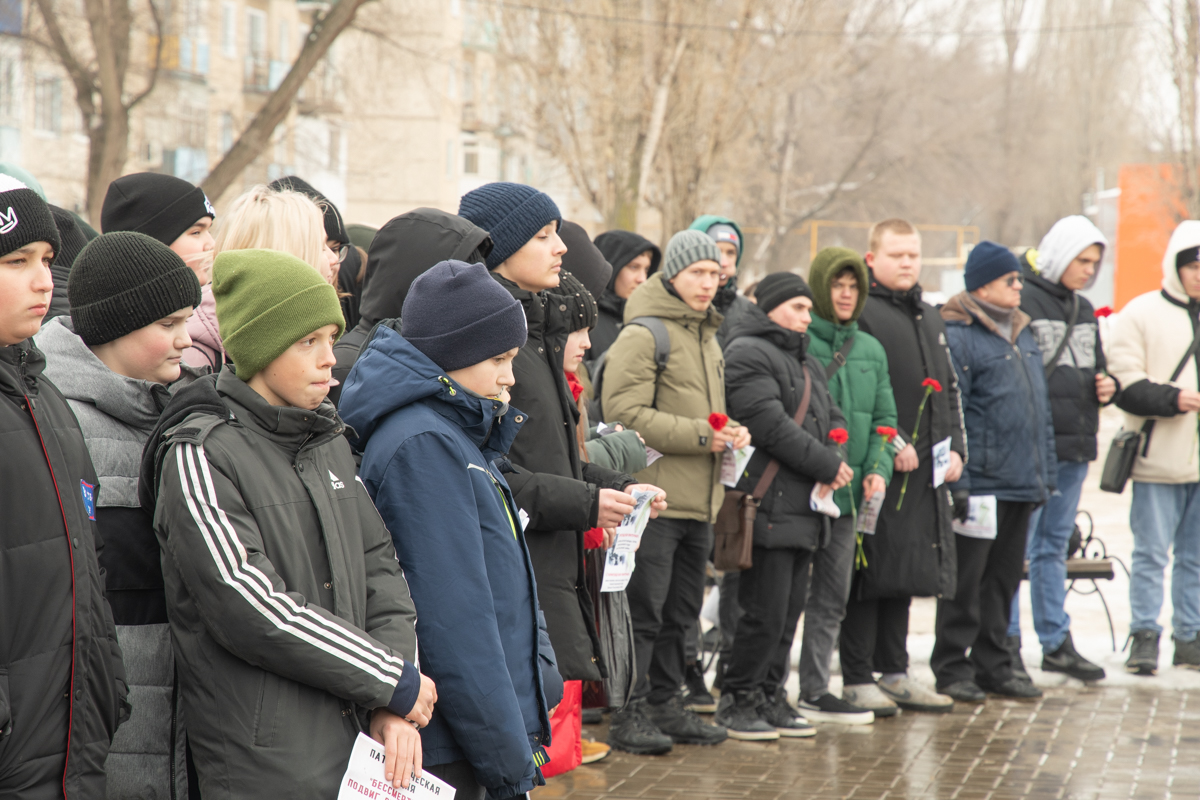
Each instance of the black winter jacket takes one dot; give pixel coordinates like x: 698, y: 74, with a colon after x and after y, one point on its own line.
x: 404, y: 248
x: 1074, y: 406
x: 619, y: 247
x: 912, y: 553
x: 62, y: 682
x: 764, y: 382
x: 560, y: 494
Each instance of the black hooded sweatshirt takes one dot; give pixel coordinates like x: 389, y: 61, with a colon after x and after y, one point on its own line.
x: 619, y: 247
x: 73, y: 240
x: 405, y: 247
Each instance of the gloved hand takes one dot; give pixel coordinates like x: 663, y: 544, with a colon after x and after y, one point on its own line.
x: 962, y: 504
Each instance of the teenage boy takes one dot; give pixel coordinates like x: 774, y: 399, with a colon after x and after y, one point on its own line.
x: 769, y: 373
x: 1150, y: 355
x: 562, y: 495
x: 1007, y: 412
x: 113, y: 358
x: 292, y: 621
x: 1064, y: 324
x: 63, y: 687
x: 855, y: 364
x: 671, y: 409
x: 429, y: 445
x: 912, y: 551
x: 180, y: 216
x: 634, y: 259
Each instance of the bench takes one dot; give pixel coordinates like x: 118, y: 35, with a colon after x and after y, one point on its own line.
x: 1084, y: 569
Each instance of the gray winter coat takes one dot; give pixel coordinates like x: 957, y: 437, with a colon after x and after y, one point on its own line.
x: 116, y: 415
x: 290, y: 615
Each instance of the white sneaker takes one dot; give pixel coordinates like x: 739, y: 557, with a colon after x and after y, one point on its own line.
x: 909, y: 694
x: 828, y: 708
x: 867, y: 695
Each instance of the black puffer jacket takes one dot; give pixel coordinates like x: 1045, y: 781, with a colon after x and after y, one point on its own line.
x: 619, y: 247
x: 1074, y: 406
x: 404, y: 248
x: 62, y: 682
x: 559, y: 493
x: 764, y: 382
x: 912, y: 553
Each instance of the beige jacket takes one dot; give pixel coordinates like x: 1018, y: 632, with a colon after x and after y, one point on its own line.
x: 1151, y: 336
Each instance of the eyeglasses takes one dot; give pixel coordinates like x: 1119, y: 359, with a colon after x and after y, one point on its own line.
x: 1012, y: 280
x: 342, y: 250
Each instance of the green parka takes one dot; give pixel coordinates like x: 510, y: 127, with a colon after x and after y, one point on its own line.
x: 671, y: 413
x: 861, y: 388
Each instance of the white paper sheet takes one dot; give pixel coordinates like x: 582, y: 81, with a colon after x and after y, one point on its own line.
x: 941, y: 461
x: 619, y: 559
x: 823, y: 505
x: 981, y: 518
x: 364, y: 778
x: 868, y: 515
x: 733, y: 463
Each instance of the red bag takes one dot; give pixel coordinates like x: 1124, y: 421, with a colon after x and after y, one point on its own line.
x: 566, y: 731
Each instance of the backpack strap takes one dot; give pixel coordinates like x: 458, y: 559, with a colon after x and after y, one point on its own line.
x: 772, y: 468
x: 1062, y: 346
x: 839, y: 358
x: 662, y: 354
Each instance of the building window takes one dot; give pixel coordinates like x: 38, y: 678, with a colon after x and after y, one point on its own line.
x: 8, y: 89
x: 256, y: 30
x: 226, y: 132
x: 470, y: 159
x: 285, y: 42
x: 47, y: 104
x: 229, y: 30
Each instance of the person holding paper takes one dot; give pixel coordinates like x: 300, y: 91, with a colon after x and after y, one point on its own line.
x: 769, y: 371
x: 911, y: 554
x: 292, y: 622
x: 430, y: 444
x: 856, y: 367
x: 1012, y: 469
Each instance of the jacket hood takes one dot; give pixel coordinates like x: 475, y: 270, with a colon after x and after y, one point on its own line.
x: 411, y: 377
x: 963, y: 309
x: 408, y: 245
x: 1185, y: 236
x: 755, y: 322
x: 621, y: 247
x: 706, y: 221
x: 652, y: 299
x: 828, y: 263
x: 1065, y: 240
x: 83, y: 377
x: 583, y: 259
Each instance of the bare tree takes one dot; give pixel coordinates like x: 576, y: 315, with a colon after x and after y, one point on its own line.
x: 1181, y: 30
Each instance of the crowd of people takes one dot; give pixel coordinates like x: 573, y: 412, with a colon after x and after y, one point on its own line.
x: 266, y: 489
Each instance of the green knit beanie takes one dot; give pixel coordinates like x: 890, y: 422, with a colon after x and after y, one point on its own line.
x: 266, y: 302
x: 825, y: 267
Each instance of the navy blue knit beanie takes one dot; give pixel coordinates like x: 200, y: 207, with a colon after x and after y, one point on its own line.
x: 987, y: 262
x: 456, y: 314
x: 511, y: 212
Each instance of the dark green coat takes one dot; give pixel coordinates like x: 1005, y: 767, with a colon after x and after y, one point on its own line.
x: 861, y: 388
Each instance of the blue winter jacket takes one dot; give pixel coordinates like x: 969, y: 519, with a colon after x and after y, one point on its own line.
x: 1010, y: 433
x: 428, y: 451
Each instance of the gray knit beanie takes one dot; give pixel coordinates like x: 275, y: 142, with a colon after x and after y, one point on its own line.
x: 686, y: 248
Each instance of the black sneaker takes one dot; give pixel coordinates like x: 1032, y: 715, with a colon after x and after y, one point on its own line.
x: 593, y: 716
x: 828, y: 708
x: 738, y: 715
x: 963, y: 692
x: 683, y: 726
x: 1013, y: 687
x: 787, y: 720
x: 1013, y: 645
x: 1187, y: 654
x: 1067, y: 660
x: 1143, y: 654
x: 696, y: 696
x: 633, y: 732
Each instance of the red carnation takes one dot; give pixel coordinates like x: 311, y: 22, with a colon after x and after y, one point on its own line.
x: 718, y: 421
x: 1104, y: 311
x: 932, y: 383
x: 839, y: 436
x: 887, y: 433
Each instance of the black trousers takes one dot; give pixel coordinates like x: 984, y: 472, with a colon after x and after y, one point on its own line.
x: 664, y: 595
x: 989, y: 572
x: 461, y: 776
x: 772, y: 595
x: 874, y: 638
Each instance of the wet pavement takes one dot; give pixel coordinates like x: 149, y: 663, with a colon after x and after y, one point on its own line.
x: 1077, y: 742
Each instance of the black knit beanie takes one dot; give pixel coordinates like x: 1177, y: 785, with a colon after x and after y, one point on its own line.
x: 70, y: 236
x: 161, y: 206
x: 335, y: 227
x: 24, y: 217
x: 779, y: 287
x: 574, y: 300
x: 124, y: 281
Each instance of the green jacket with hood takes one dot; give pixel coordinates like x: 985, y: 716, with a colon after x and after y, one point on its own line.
x: 861, y: 388
x: 671, y: 413
x: 732, y: 305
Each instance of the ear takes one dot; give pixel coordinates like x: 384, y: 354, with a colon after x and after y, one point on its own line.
x: 869, y: 258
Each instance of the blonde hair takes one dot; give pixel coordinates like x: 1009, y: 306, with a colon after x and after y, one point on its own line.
x: 266, y: 219
x: 900, y: 227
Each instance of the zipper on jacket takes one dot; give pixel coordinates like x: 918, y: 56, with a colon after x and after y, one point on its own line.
x: 503, y: 501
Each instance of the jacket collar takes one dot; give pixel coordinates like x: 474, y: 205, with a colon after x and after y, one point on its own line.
x: 1052, y: 288
x: 910, y: 299
x: 289, y: 427
x: 963, y: 309
x: 534, y: 303
x: 835, y: 334
x: 612, y: 303
x: 21, y: 365
x: 756, y: 323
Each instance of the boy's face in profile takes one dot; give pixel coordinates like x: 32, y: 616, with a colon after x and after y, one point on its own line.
x: 25, y: 291
x: 302, y: 376
x: 151, y: 353
x: 491, y: 378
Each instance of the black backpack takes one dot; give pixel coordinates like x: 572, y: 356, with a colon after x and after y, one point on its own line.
x: 662, y: 353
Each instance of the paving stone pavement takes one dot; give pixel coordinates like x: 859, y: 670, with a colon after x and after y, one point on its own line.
x: 1077, y: 743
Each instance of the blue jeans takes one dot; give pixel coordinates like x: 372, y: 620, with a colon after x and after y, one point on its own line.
x: 1046, y: 548
x: 1165, y: 517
